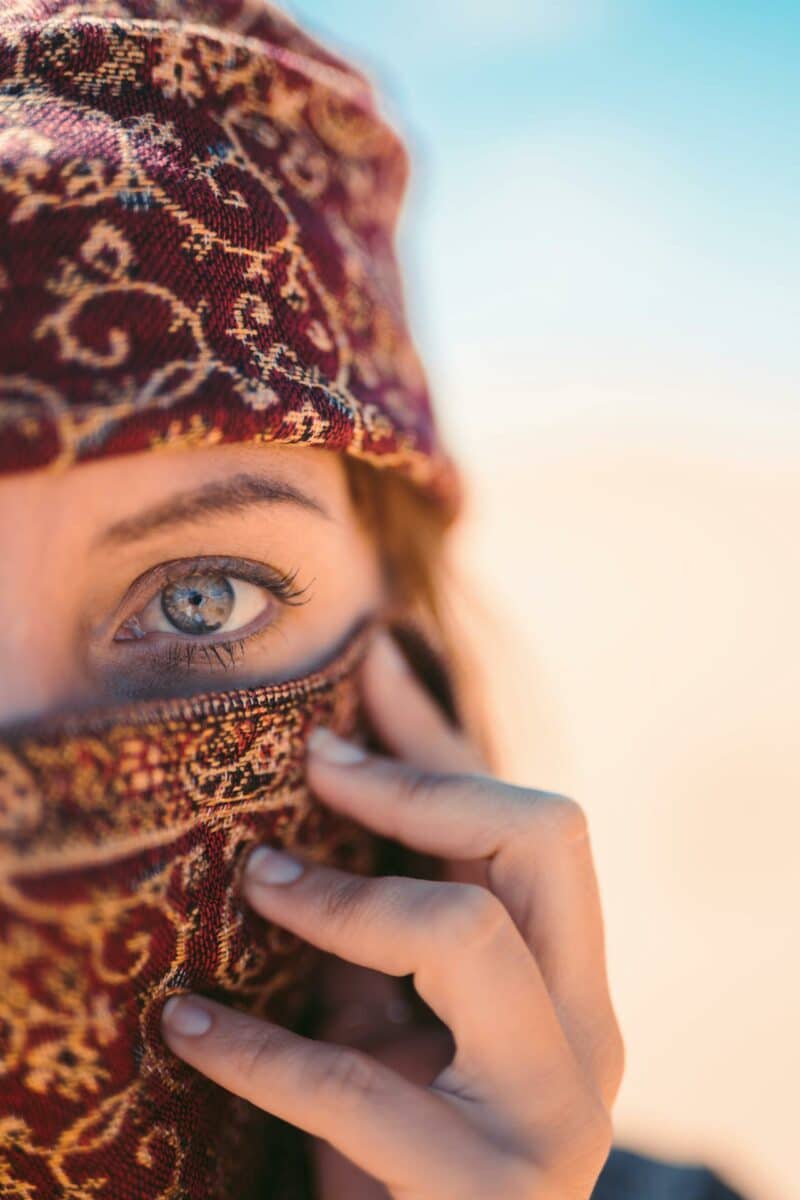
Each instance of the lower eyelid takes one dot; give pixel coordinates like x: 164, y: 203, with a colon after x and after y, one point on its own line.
x: 157, y: 664
x: 167, y: 652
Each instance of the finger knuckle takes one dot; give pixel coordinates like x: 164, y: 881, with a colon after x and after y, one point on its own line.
x: 253, y: 1054
x: 418, y: 789
x: 565, y: 817
x: 344, y: 898
x: 602, y: 1128
x: 617, y: 1050
x: 615, y: 1057
x: 574, y: 1165
x: 593, y: 1138
x: 347, y: 1076
x: 580, y: 1137
x: 467, y: 913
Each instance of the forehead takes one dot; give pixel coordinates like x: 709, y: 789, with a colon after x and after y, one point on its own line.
x: 123, y: 484
x: 179, y: 502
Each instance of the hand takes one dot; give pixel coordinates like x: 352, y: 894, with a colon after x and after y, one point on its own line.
x: 515, y: 968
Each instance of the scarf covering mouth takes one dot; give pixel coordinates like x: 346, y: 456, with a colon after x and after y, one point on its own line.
x: 122, y: 842
x: 198, y: 205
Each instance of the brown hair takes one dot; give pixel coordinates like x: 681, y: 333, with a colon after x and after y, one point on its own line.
x: 412, y: 537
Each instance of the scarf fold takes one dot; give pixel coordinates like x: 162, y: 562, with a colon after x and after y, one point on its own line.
x: 198, y: 205
x: 122, y: 840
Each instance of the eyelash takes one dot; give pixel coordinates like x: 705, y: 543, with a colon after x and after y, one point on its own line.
x: 180, y: 654
x: 280, y: 583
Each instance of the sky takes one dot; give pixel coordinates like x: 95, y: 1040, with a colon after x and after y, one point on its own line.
x: 602, y: 242
x: 602, y: 226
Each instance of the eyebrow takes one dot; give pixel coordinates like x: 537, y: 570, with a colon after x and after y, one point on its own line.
x: 229, y: 496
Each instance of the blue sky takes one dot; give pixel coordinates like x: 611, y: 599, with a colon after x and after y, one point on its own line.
x: 603, y: 220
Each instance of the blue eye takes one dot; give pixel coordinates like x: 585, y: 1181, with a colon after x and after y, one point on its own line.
x: 201, y: 603
x: 214, y: 597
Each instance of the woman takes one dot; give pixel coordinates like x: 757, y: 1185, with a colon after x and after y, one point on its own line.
x: 198, y: 210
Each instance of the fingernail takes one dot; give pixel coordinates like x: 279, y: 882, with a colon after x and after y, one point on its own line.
x: 327, y: 746
x: 183, y: 1015
x: 266, y: 865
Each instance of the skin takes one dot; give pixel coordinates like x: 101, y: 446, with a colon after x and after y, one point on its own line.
x: 512, y: 1096
x: 71, y: 550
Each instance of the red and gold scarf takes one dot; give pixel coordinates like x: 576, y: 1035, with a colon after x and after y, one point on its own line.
x: 122, y: 839
x: 198, y: 206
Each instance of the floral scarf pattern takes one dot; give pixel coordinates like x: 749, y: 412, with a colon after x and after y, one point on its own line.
x: 122, y: 839
x: 198, y: 205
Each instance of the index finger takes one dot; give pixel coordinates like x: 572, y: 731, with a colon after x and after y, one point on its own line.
x: 409, y: 721
x: 411, y: 725
x: 538, y: 863
x: 387, y: 1125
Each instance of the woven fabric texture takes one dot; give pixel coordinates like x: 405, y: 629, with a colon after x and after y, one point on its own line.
x: 122, y: 839
x: 198, y: 206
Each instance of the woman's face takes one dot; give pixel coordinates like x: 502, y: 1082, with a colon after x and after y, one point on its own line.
x: 159, y: 574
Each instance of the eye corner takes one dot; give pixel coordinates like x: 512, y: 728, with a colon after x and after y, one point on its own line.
x: 129, y: 631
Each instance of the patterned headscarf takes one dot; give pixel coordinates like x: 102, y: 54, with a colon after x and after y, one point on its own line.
x: 197, y: 211
x: 198, y: 206
x: 122, y: 841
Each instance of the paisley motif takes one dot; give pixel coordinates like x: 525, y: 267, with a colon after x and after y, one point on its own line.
x: 198, y: 205
x: 122, y: 839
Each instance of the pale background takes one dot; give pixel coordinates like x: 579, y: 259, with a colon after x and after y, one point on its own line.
x: 602, y: 251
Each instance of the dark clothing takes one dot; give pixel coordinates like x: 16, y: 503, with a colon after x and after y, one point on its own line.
x: 631, y: 1176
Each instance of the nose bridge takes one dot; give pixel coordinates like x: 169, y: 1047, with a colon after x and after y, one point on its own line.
x: 36, y: 604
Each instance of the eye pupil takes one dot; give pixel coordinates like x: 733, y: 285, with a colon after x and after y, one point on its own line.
x: 198, y: 604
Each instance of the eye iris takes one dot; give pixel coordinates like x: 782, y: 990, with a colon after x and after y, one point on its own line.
x: 198, y: 603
